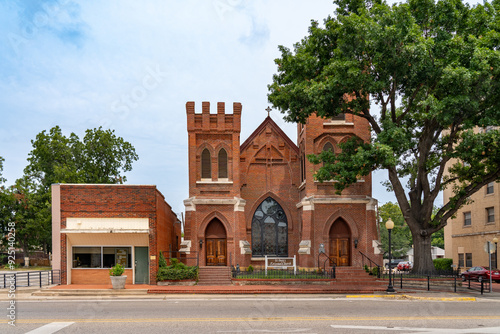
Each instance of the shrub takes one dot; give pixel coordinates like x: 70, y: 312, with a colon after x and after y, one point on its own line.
x: 366, y: 268
x: 161, y: 261
x: 250, y: 269
x: 177, y: 271
x: 117, y: 270
x: 375, y: 271
x: 443, y: 264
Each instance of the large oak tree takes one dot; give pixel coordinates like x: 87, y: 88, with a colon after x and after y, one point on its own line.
x: 432, y: 68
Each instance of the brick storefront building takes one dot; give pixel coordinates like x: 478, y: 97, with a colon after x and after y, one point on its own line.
x: 260, y: 197
x: 95, y: 226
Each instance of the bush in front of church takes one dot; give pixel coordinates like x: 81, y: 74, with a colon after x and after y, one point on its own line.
x: 177, y: 271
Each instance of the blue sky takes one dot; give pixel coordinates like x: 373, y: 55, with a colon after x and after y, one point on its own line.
x: 132, y: 65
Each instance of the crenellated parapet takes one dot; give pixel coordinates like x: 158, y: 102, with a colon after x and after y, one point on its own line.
x: 220, y: 121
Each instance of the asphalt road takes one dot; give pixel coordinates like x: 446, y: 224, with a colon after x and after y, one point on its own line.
x: 258, y: 314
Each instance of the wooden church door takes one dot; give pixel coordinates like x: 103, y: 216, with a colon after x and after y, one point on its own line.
x: 340, y: 243
x: 216, y: 244
x: 216, y: 252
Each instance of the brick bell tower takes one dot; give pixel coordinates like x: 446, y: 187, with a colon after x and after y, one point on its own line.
x: 214, y: 206
x: 344, y: 224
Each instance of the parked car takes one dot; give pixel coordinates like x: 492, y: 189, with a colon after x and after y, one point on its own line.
x: 481, y: 273
x: 405, y: 265
x: 394, y: 263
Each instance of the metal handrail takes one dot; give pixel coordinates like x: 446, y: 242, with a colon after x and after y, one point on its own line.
x: 372, y: 263
x: 333, y: 260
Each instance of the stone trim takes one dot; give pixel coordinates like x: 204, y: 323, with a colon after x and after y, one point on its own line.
x: 185, y: 247
x: 239, y: 203
x: 307, y: 203
x: 305, y: 247
x: 245, y: 247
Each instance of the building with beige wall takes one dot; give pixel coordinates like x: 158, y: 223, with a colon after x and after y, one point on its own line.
x: 474, y: 224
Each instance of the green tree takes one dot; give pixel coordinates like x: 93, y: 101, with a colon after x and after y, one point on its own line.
x: 101, y: 157
x: 400, y: 235
x: 433, y: 70
x: 2, y: 180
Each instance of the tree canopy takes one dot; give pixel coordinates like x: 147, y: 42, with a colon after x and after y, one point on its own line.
x: 432, y: 70
x: 401, y: 236
x: 2, y: 180
x: 101, y: 157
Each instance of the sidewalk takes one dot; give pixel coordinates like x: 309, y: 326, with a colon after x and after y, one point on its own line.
x: 105, y: 291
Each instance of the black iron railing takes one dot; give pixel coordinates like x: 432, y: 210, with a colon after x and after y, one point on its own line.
x: 30, y: 278
x: 367, y: 263
x: 283, y: 274
x: 333, y: 261
x: 436, y: 280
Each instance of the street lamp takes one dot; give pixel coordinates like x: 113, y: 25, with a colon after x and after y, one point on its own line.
x: 389, y: 225
x: 495, y: 240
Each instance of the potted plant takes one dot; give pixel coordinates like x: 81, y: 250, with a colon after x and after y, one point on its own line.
x: 117, y: 277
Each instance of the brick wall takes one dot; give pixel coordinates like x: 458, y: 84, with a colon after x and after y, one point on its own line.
x: 268, y: 163
x: 119, y: 201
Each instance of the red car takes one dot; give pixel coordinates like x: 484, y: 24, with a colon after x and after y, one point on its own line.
x: 405, y: 265
x: 481, y: 273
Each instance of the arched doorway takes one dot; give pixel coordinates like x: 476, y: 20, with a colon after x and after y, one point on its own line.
x: 216, y: 245
x: 340, y: 243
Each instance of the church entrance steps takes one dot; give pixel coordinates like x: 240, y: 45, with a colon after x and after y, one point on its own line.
x: 213, y: 275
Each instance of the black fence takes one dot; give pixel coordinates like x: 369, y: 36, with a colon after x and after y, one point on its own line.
x: 284, y: 274
x: 17, y: 279
x: 482, y: 285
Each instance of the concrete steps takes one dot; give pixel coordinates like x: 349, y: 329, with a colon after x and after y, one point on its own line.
x: 212, y: 275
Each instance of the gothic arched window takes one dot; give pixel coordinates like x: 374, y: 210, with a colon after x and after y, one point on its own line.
x: 328, y: 147
x: 269, y: 230
x: 206, y: 164
x: 222, y: 161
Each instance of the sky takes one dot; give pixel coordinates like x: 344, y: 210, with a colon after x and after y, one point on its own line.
x: 131, y: 66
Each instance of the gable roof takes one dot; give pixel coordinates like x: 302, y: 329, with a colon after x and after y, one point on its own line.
x: 261, y: 127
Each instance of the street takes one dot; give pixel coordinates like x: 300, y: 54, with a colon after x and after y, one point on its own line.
x: 257, y: 314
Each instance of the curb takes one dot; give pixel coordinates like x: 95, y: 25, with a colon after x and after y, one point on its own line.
x: 446, y: 299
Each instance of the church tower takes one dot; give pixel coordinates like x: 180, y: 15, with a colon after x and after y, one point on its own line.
x: 345, y: 224
x: 214, y: 204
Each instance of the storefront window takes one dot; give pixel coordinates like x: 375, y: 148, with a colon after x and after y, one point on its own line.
x: 101, y: 257
x: 86, y: 257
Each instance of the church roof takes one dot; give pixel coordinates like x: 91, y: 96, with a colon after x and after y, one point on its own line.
x: 261, y: 127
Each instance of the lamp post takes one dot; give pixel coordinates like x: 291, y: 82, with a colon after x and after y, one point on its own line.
x: 389, y: 225
x: 495, y: 240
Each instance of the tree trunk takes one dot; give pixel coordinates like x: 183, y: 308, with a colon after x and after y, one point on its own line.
x: 422, y: 253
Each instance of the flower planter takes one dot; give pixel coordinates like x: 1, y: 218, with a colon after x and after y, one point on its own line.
x: 118, y: 282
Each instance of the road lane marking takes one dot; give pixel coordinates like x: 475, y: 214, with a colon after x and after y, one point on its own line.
x: 50, y: 328
x: 333, y: 319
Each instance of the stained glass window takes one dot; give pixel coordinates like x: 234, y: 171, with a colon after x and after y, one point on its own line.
x: 269, y: 230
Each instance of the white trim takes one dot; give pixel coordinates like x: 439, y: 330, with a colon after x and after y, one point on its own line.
x: 114, y: 230
x: 238, y: 203
x: 308, y: 203
x: 220, y: 181
x: 331, y: 122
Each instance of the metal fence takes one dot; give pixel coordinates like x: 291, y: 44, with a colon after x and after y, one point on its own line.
x: 437, y: 280
x: 284, y: 274
x: 30, y: 278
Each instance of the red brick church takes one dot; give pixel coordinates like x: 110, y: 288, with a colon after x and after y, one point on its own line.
x: 260, y: 197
